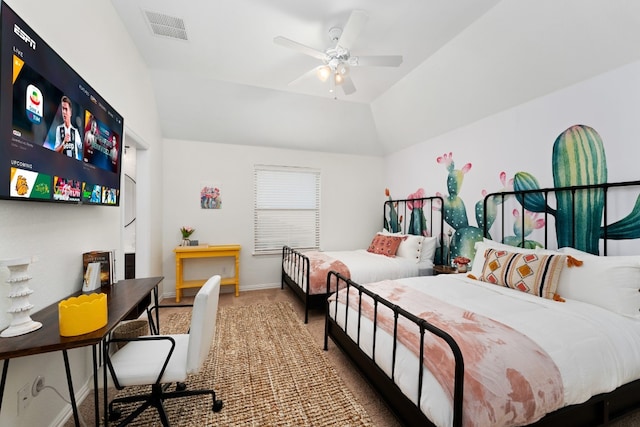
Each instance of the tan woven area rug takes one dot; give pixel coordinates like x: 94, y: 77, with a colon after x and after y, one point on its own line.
x: 267, y: 369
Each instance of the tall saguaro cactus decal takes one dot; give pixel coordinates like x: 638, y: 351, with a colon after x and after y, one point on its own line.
x: 578, y: 159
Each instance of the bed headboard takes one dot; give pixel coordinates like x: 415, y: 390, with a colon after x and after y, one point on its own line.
x: 585, y: 217
x: 420, y: 217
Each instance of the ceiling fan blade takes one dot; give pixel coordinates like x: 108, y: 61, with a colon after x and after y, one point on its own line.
x: 352, y: 29
x: 347, y: 86
x: 283, y: 41
x: 376, y: 61
x: 311, y: 73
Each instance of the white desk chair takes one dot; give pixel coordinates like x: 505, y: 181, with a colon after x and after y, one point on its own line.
x: 159, y: 360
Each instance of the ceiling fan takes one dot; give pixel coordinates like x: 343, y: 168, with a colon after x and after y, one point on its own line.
x: 337, y: 60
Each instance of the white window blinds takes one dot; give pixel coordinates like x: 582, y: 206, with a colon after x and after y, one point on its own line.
x: 287, y: 208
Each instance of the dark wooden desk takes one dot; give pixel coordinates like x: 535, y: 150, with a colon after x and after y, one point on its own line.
x: 122, y: 298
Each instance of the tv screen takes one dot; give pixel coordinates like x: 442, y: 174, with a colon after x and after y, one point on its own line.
x: 60, y: 141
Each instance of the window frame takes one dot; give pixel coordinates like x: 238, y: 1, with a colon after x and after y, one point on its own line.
x: 286, y: 208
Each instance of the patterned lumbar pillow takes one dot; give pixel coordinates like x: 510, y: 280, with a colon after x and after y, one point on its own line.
x: 533, y: 273
x: 385, y: 245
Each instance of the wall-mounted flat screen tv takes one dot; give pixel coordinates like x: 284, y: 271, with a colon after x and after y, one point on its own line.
x: 60, y: 141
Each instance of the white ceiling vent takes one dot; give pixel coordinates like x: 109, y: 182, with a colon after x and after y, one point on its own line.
x: 165, y: 25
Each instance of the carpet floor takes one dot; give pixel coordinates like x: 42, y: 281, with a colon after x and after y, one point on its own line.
x: 267, y: 369
x: 377, y: 410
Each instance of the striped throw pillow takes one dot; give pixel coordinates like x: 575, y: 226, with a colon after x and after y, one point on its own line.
x: 533, y: 273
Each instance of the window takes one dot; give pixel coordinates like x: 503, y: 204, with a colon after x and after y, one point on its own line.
x: 287, y: 208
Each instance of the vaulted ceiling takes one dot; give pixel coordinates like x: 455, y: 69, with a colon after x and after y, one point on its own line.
x: 219, y: 76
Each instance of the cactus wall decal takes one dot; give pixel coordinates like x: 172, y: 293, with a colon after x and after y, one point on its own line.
x: 393, y: 224
x: 579, y: 159
x: 418, y: 222
x: 465, y: 236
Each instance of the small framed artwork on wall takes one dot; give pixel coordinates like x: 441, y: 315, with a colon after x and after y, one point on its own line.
x: 210, y: 197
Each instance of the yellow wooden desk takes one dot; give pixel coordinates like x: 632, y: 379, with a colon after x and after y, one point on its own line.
x: 205, y: 251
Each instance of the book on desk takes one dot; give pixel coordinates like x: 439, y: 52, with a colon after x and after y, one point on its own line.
x: 104, y: 262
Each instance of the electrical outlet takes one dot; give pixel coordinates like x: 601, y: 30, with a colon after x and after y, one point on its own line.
x: 38, y: 385
x: 24, y: 398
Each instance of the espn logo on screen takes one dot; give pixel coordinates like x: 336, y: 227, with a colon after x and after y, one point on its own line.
x: 24, y: 36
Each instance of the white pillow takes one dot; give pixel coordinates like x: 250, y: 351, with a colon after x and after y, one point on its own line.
x: 425, y: 246
x: 410, y: 247
x: 478, y: 260
x: 610, y: 282
x: 578, y: 254
x: 428, y: 251
x: 389, y: 233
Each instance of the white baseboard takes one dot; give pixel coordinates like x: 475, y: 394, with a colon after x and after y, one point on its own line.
x: 67, y: 412
x: 225, y: 289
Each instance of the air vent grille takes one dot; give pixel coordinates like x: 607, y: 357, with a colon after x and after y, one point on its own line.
x: 166, y: 26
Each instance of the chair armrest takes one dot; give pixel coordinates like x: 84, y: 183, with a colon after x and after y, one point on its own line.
x: 155, y: 329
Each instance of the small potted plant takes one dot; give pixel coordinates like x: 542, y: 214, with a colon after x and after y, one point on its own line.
x: 462, y: 263
x: 186, y: 233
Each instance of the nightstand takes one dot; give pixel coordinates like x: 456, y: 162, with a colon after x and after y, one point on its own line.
x: 444, y: 269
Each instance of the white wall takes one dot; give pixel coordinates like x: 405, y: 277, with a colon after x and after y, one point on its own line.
x: 56, y: 234
x: 352, y: 195
x: 521, y: 139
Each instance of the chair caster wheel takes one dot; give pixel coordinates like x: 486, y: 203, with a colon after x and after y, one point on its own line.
x: 217, y: 406
x: 114, y: 414
x: 181, y: 386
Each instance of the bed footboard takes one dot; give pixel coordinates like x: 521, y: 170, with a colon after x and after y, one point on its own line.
x: 406, y: 409
x: 295, y: 274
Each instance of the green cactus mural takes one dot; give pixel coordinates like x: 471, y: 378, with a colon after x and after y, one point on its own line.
x: 393, y: 224
x: 417, y: 222
x: 578, y: 159
x: 524, y: 223
x: 465, y: 236
x: 454, y: 210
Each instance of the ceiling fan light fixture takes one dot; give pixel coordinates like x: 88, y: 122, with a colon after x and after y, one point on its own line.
x: 323, y: 73
x: 337, y: 60
x: 332, y: 84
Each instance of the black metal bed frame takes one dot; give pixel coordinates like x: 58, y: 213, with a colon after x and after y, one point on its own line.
x: 599, y: 410
x: 297, y: 262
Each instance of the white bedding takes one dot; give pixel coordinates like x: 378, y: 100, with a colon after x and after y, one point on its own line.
x: 367, y: 267
x: 595, y: 350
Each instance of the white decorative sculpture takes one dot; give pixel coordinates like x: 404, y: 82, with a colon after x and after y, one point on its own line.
x: 21, y: 322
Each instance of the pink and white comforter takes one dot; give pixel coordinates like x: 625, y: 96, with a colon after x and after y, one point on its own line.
x: 577, y: 350
x: 320, y: 264
x: 359, y: 265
